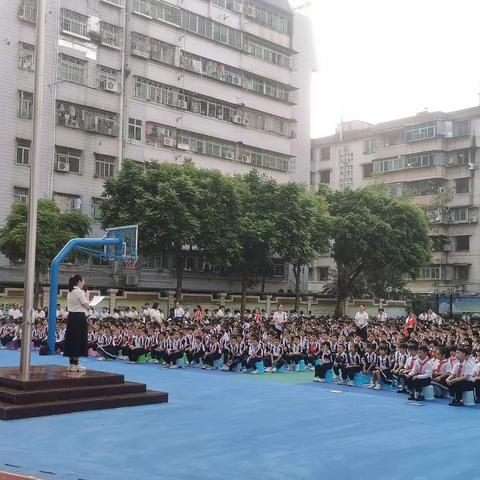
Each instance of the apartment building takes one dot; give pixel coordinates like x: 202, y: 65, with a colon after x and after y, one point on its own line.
x: 225, y: 83
x: 431, y: 156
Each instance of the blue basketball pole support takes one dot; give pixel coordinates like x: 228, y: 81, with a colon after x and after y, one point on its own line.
x: 54, y: 271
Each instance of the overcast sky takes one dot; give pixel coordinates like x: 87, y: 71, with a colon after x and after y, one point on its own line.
x: 384, y: 59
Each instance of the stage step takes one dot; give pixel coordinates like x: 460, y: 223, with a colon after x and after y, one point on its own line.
x: 10, y: 411
x: 24, y: 397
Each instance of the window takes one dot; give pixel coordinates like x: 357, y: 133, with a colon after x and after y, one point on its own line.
x: 280, y: 22
x: 462, y: 128
x: 420, y: 132
x: 462, y: 185
x: 104, y: 166
x: 323, y: 273
x: 28, y: 10
x: 369, y: 146
x: 67, y: 160
x: 462, y: 243
x: 232, y: 5
x: 107, y: 78
x: 25, y: 104
x: 26, y: 56
x: 367, y: 170
x: 462, y: 272
x: 142, y: 7
x: 74, y: 23
x: 279, y: 270
x: 67, y: 202
x: 135, y: 129
x: 459, y: 215
x: 23, y: 152
x: 96, y: 210
x: 430, y: 273
x: 325, y: 176
x: 416, y: 161
x: 437, y: 244
x: 111, y: 35
x: 325, y: 153
x: 20, y: 194
x: 72, y: 69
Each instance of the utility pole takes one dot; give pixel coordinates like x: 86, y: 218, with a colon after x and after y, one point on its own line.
x: 29, y: 282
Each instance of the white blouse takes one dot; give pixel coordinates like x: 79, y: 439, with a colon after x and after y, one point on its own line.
x: 75, y: 300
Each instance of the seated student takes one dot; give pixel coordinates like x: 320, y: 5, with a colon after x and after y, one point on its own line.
x: 409, y: 363
x: 369, y: 359
x: 174, y: 350
x: 277, y: 355
x: 255, y: 355
x: 476, y: 375
x: 295, y: 353
x: 326, y: 363
x: 235, y: 357
x: 440, y: 371
x: 159, y: 350
x: 353, y: 365
x: 339, y: 362
x: 213, y: 352
x: 400, y: 358
x: 420, y: 375
x: 137, y: 348
x: 314, y: 352
x: 383, y: 370
x: 461, y: 379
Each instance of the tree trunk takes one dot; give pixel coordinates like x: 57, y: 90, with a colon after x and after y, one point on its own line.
x: 264, y: 279
x: 36, y: 289
x: 297, y: 270
x: 341, y: 295
x: 179, y: 271
x: 243, y: 304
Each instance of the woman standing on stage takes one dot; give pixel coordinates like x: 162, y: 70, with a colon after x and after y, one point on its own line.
x: 76, y: 336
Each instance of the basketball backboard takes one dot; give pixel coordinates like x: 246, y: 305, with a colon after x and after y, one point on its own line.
x: 128, y: 250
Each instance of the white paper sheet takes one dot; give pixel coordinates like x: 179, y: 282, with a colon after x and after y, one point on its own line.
x: 96, y: 300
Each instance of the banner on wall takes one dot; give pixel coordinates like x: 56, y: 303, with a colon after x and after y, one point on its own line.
x: 459, y: 305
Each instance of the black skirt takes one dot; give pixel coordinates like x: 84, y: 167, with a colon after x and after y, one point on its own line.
x: 76, y: 336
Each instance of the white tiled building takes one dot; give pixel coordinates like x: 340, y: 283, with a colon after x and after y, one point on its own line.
x: 223, y: 82
x: 432, y: 156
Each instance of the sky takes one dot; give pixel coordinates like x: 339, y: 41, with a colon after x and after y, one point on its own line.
x: 384, y: 59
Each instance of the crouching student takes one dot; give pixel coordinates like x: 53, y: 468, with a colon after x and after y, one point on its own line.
x: 137, y: 348
x: 237, y: 354
x: 326, y: 363
x: 255, y: 355
x: 440, y: 372
x: 461, y: 378
x: 420, y: 375
x: 214, y: 352
x: 339, y: 364
x: 353, y: 365
x: 274, y: 359
x: 383, y: 369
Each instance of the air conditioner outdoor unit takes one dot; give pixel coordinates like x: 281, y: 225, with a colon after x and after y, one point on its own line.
x: 252, y: 11
x: 27, y: 63
x: 63, y: 167
x: 237, y: 119
x: 109, y: 84
x: 230, y: 156
x: 246, y: 121
x: 131, y: 280
x: 237, y: 80
x: 183, y: 104
x: 250, y: 49
x: 169, y: 142
x: 246, y: 158
x: 237, y: 7
x: 183, y: 146
x: 447, y: 248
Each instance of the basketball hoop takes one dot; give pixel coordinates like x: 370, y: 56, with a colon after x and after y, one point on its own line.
x: 130, y: 264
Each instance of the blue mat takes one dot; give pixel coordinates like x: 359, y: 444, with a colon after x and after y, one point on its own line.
x: 227, y: 426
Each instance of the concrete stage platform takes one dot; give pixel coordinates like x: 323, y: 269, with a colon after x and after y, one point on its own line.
x: 51, y: 390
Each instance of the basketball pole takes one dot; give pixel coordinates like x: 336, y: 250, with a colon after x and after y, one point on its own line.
x: 29, y: 281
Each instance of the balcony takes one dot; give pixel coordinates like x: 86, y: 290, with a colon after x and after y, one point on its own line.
x: 415, y: 174
x: 429, y: 145
x: 86, y: 118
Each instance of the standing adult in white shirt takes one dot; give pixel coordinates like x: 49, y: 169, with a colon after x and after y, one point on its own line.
x: 76, y: 335
x: 279, y: 318
x: 431, y: 316
x: 382, y: 316
x: 178, y: 313
x: 361, y: 322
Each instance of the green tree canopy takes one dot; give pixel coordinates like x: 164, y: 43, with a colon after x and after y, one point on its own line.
x: 374, y: 232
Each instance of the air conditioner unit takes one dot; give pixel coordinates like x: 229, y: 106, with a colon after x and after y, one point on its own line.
x: 183, y: 146
x: 237, y: 80
x: 183, y: 104
x: 63, y: 167
x: 27, y: 63
x: 246, y: 121
x: 169, y: 142
x: 246, y: 158
x: 77, y: 203
x: 230, y: 156
x: 251, y: 11
x: 237, y: 119
x: 237, y: 7
x: 110, y: 85
x: 447, y: 248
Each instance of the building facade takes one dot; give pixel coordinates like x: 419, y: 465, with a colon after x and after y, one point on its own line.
x: 432, y: 157
x: 225, y: 83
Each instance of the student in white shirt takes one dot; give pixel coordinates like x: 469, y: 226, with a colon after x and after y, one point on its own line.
x: 361, y: 322
x: 382, y: 316
x: 280, y: 318
x: 462, y: 377
x: 178, y: 313
x: 421, y: 374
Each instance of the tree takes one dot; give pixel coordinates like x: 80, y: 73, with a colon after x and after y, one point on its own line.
x: 302, y: 228
x: 163, y: 199
x: 373, y: 232
x: 54, y: 230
